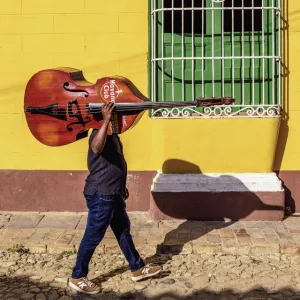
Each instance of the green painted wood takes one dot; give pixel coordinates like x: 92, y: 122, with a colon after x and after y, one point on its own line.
x: 213, y: 21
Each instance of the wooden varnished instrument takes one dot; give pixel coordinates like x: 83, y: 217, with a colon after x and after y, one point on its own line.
x: 61, y: 105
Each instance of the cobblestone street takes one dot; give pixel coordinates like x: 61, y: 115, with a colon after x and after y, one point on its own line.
x: 201, y: 260
x: 205, y: 276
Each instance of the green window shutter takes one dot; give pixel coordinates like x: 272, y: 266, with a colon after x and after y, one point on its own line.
x: 218, y: 49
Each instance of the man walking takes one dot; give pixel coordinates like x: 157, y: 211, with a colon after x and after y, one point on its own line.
x: 105, y: 192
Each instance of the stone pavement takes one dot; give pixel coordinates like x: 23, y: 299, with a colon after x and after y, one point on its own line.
x: 57, y: 232
x: 200, y: 260
x: 194, y: 276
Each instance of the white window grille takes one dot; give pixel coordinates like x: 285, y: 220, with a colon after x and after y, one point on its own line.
x: 216, y: 48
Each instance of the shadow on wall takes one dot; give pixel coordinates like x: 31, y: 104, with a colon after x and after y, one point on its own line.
x: 219, y: 210
x: 287, y: 17
x: 239, y: 204
x: 284, y: 128
x: 178, y: 166
x: 223, y: 209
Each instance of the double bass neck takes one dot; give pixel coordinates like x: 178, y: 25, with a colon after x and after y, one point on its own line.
x: 140, y: 106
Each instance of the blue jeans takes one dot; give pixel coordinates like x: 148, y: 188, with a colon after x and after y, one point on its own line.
x: 105, y: 211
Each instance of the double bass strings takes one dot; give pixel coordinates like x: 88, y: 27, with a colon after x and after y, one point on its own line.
x: 123, y: 107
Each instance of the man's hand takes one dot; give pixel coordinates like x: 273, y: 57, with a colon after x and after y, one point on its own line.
x: 106, y: 110
x: 100, y: 138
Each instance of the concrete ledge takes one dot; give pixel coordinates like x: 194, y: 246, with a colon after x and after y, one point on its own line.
x: 215, y: 182
x: 217, y: 197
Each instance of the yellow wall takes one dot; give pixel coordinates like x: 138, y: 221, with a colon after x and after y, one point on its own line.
x: 111, y: 37
x: 288, y: 152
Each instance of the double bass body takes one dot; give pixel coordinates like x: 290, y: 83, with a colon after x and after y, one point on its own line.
x: 57, y: 105
x: 61, y: 105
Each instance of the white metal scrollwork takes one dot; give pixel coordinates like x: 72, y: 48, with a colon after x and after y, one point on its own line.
x: 222, y: 111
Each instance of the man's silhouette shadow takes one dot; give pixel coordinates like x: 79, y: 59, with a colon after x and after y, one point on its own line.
x: 218, y: 211
x: 215, y: 212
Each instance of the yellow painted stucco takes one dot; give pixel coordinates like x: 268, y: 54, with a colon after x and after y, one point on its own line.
x: 111, y: 38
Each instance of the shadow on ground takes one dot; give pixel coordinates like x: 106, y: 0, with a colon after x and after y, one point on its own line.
x: 226, y: 209
x: 205, y: 212
x: 25, y: 285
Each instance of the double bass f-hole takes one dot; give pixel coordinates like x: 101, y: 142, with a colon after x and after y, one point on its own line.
x: 66, y: 87
x: 76, y: 113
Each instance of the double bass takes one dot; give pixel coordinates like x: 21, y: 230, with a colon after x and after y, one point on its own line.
x: 60, y: 105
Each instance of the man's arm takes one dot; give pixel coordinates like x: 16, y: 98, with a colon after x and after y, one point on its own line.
x: 100, y: 138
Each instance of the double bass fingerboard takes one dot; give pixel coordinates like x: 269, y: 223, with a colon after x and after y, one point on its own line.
x: 114, y: 122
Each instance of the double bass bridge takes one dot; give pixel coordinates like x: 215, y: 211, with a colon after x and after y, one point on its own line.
x: 55, y: 111
x: 74, y: 111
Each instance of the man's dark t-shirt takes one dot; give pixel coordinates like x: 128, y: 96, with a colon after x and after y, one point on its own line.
x: 108, y: 169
